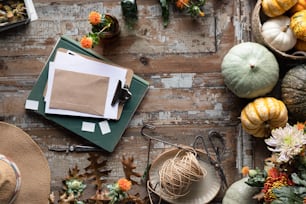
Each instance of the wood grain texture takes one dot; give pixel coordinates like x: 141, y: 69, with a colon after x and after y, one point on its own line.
x: 187, y: 96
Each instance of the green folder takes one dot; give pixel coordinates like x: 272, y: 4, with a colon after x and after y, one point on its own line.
x: 108, y: 141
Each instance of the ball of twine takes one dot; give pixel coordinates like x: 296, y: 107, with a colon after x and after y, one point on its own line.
x: 178, y: 173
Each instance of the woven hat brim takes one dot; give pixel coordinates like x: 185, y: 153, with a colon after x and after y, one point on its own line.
x: 34, y: 169
x: 201, y: 192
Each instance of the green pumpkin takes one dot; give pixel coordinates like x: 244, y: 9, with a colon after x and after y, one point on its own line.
x: 240, y: 193
x: 293, y: 90
x: 250, y: 70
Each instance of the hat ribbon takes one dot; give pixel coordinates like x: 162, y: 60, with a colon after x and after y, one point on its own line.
x: 18, y: 177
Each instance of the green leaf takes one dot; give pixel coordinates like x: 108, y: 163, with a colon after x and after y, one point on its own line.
x: 297, y: 180
x: 258, y: 179
x: 165, y: 11
x: 289, y: 195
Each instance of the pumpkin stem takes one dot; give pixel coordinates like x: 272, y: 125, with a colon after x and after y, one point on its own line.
x: 285, y: 28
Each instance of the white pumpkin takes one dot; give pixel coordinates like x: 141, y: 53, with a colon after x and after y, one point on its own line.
x: 277, y: 32
x: 240, y: 193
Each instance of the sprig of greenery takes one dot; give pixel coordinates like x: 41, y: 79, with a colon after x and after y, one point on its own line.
x: 165, y: 11
x: 256, y: 178
x: 291, y: 194
x: 192, y: 7
x: 130, y: 12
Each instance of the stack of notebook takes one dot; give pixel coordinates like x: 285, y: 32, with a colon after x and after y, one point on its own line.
x: 76, y: 90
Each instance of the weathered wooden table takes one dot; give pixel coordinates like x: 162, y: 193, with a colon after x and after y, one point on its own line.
x: 187, y: 96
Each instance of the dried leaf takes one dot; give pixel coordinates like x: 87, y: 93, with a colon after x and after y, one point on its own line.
x: 128, y: 168
x: 100, y: 196
x: 95, y: 171
x: 66, y: 199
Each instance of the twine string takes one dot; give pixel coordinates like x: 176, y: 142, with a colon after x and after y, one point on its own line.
x: 178, y: 173
x: 181, y: 179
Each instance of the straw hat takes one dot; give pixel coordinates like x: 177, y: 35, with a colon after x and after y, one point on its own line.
x: 24, y: 171
x: 200, y: 192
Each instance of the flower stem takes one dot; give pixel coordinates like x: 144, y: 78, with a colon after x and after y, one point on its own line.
x: 104, y: 28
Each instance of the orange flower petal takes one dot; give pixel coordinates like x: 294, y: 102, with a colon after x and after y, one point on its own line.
x: 94, y: 18
x: 124, y: 184
x: 86, y: 42
x: 300, y: 125
x: 245, y: 170
x: 181, y: 3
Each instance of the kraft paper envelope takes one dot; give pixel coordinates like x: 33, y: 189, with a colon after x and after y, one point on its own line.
x: 79, y: 92
x: 128, y: 77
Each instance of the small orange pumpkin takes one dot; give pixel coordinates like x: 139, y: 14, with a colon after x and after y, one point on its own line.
x: 262, y: 115
x: 298, y: 24
x: 273, y: 8
x: 300, y: 5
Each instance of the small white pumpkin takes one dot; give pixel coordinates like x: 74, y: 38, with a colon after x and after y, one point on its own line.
x: 277, y: 32
x: 240, y: 193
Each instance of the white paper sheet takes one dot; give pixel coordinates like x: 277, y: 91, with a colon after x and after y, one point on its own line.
x: 71, y: 61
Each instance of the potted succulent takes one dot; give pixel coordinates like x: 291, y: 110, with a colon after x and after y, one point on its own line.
x: 104, y: 27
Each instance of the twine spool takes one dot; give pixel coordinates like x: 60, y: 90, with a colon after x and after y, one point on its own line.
x: 178, y: 173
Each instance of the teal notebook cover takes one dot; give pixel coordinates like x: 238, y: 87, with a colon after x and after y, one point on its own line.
x: 108, y: 141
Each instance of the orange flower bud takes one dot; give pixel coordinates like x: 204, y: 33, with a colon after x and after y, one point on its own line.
x: 245, y: 170
x: 86, y: 42
x: 182, y: 3
x: 124, y: 184
x: 300, y: 125
x: 94, y: 18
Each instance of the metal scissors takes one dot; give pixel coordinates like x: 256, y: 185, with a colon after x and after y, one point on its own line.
x: 74, y: 148
x: 217, y: 143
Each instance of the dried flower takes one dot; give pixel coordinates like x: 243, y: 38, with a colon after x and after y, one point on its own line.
x: 75, y: 187
x: 275, y: 179
x: 181, y: 4
x: 245, y: 170
x: 94, y: 18
x: 193, y: 7
x: 117, y: 191
x: 87, y: 42
x: 100, y: 23
x: 301, y: 126
x: 283, y: 178
x: 124, y: 184
x: 287, y: 142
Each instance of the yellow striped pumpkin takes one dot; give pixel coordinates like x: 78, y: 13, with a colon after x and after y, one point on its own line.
x: 298, y: 24
x: 273, y: 8
x: 262, y: 115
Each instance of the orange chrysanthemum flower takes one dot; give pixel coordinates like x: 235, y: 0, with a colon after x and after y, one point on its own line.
x: 86, y: 42
x: 300, y: 125
x: 94, y: 18
x: 245, y: 170
x: 124, y: 184
x: 274, y: 180
x: 182, y: 3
